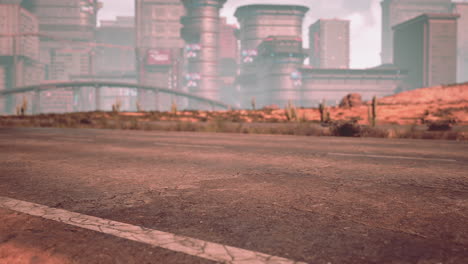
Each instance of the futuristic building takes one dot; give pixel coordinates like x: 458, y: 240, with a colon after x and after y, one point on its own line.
x: 331, y: 85
x: 257, y: 23
x: 330, y: 44
x: 159, y: 48
x: 462, y: 35
x: 395, y: 12
x: 427, y: 47
x: 19, y: 54
x: 64, y: 24
x: 201, y: 34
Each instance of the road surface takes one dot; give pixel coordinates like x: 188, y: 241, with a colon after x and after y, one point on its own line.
x: 106, y: 196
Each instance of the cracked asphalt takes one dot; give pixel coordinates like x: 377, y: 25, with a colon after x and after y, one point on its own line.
x: 311, y: 199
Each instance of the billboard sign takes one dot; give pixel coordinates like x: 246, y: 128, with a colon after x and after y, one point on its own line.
x: 192, y: 79
x: 158, y: 57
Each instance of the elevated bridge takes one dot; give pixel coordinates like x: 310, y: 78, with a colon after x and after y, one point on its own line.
x: 97, y: 85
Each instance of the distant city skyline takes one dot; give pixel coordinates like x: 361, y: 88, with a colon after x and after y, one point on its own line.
x: 364, y: 16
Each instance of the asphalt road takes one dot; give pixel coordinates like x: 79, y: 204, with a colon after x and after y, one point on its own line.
x: 310, y: 199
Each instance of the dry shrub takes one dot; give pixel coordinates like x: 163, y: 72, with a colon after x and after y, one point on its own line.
x: 441, y: 125
x: 346, y: 129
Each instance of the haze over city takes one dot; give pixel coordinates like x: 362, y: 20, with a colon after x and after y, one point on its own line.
x: 233, y: 131
x: 364, y: 16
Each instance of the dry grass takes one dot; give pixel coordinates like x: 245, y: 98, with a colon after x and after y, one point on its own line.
x: 260, y: 122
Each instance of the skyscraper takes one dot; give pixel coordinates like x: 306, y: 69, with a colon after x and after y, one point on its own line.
x: 159, y: 47
x: 395, y: 12
x: 258, y: 23
x: 426, y: 46
x: 19, y: 51
x: 66, y: 24
x: 202, y: 29
x: 462, y: 66
x: 330, y: 44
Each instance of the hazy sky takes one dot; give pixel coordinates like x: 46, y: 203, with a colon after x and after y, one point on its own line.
x: 364, y: 16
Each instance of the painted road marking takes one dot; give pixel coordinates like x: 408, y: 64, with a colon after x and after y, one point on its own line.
x: 187, y: 145
x: 191, y: 246
x: 389, y: 157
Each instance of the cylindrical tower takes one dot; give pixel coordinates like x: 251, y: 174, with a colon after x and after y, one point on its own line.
x: 201, y: 32
x: 257, y: 23
x: 278, y: 78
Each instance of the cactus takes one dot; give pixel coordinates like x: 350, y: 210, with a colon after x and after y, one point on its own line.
x: 174, y: 107
x: 291, y: 111
x: 324, y: 115
x: 22, y: 108
x: 369, y: 114
x: 138, y: 106
x: 374, y: 111
x: 116, y: 107
x: 253, y: 103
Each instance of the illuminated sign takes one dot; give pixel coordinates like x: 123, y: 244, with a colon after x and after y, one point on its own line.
x: 191, y: 79
x: 297, y: 78
x: 158, y: 57
x: 192, y: 50
x: 248, y: 56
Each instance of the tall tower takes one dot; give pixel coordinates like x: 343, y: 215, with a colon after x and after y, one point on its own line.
x: 329, y: 44
x: 201, y: 32
x: 426, y: 46
x: 462, y: 35
x: 395, y: 12
x: 19, y: 55
x: 159, y: 48
x: 257, y: 23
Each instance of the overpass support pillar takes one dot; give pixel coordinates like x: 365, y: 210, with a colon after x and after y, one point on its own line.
x: 97, y: 97
x: 36, y: 102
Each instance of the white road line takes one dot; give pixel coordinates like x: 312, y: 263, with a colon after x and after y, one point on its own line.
x: 187, y: 145
x: 191, y: 246
x: 389, y: 157
x: 72, y: 139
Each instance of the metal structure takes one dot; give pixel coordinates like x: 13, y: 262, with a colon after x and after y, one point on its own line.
x: 201, y: 29
x: 97, y: 85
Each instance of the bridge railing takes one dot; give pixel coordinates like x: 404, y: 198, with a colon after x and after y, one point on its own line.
x: 92, y: 91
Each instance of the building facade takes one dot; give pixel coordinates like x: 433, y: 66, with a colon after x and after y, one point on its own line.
x: 395, y: 12
x: 115, y: 61
x: 331, y: 85
x: 64, y: 24
x: 202, y: 30
x: 115, y: 52
x: 19, y: 52
x: 330, y: 44
x: 277, y: 77
x: 257, y: 23
x: 462, y: 35
x: 426, y: 46
x: 228, y: 62
x: 159, y: 48
x: 282, y: 78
